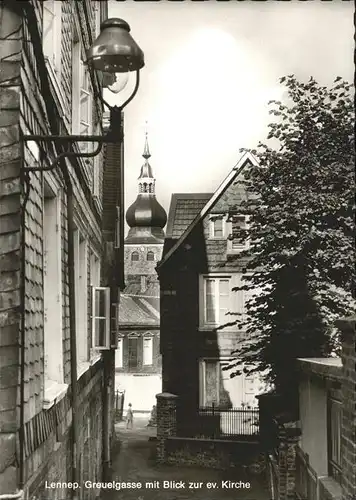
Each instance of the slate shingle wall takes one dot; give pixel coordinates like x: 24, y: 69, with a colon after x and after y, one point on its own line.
x: 179, y: 281
x: 10, y: 239
x: 47, y: 447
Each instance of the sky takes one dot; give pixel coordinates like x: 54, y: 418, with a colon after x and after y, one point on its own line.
x: 210, y: 70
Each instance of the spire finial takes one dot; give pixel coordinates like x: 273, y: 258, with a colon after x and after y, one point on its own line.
x: 146, y: 150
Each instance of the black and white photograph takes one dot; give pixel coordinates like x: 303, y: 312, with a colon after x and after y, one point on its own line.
x: 177, y: 250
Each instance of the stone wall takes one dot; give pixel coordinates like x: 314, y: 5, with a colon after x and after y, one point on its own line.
x: 166, y: 422
x: 52, y: 459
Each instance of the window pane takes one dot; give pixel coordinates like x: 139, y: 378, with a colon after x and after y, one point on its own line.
x: 84, y: 77
x: 147, y: 351
x: 210, y: 301
x: 118, y: 354
x: 84, y: 107
x: 150, y: 256
x: 224, y: 300
x: 100, y: 304
x: 100, y: 332
x: 218, y: 228
x: 133, y: 352
x: 211, y: 383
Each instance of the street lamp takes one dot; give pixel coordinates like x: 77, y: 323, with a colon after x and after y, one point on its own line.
x: 115, y: 52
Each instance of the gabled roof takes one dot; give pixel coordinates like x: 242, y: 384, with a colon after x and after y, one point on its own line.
x: 152, y: 289
x: 183, y: 210
x: 246, y: 159
x: 138, y: 310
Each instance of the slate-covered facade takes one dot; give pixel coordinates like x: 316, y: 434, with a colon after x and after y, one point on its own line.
x: 199, y: 268
x: 45, y: 89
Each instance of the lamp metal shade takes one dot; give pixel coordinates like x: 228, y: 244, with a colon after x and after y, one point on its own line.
x: 114, y: 50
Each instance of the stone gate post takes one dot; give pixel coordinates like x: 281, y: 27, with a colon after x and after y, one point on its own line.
x: 166, y: 422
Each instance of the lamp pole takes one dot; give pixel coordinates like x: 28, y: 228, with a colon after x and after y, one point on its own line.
x: 113, y: 52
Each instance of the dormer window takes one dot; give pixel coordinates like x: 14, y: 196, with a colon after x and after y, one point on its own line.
x: 217, y: 226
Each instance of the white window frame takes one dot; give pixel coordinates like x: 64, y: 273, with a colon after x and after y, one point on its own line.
x: 202, y: 377
x: 52, y: 34
x: 203, y: 283
x: 150, y: 357
x: 81, y: 86
x: 236, y: 302
x: 76, y: 58
x: 54, y: 386
x: 81, y: 251
x: 95, y: 269
x: 247, y: 397
x: 97, y: 167
x: 119, y: 353
x: 212, y: 220
x: 233, y: 246
x: 97, y: 14
x: 85, y: 122
x: 106, y: 345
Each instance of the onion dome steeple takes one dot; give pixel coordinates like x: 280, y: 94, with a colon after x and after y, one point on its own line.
x: 146, y: 217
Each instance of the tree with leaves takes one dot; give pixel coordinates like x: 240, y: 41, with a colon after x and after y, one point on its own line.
x: 300, y: 253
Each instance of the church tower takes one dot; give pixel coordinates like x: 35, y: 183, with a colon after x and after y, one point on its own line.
x: 144, y: 242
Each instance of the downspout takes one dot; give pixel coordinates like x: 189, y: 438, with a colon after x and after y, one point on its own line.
x: 25, y: 181
x: 269, y: 458
x: 72, y: 325
x: 116, y: 283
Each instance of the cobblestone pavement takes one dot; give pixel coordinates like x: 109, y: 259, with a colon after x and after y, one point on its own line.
x: 134, y: 462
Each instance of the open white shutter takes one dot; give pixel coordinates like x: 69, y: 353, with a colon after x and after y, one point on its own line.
x: 101, y: 318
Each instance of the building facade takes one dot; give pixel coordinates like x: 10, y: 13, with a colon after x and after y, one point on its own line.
x: 54, y: 411
x: 198, y: 271
x: 314, y: 458
x: 138, y: 361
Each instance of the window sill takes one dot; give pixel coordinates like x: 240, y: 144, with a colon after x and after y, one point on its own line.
x: 208, y: 328
x: 332, y: 487
x: 84, y: 366
x: 53, y: 393
x: 236, y: 250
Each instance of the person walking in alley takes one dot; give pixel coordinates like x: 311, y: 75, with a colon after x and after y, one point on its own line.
x: 129, y: 417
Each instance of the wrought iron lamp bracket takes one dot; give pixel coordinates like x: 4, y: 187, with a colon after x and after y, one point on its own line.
x: 114, y: 135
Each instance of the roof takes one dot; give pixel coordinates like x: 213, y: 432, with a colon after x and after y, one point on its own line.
x: 139, y: 310
x: 135, y: 289
x: 183, y: 209
x: 246, y: 159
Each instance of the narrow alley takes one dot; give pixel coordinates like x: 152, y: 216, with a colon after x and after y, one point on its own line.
x: 134, y: 462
